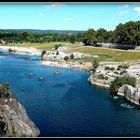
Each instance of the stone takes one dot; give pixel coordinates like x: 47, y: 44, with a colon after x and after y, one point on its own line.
x: 15, y: 121
x: 130, y: 93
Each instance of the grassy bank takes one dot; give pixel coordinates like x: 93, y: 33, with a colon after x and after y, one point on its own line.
x: 41, y: 46
x: 105, y: 54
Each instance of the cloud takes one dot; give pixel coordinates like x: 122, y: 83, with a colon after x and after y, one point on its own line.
x: 69, y: 19
x: 54, y: 5
x: 123, y: 13
x: 40, y: 14
x: 137, y: 10
x: 125, y: 6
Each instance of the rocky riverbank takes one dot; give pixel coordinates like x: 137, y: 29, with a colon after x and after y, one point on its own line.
x: 14, y: 121
x: 84, y: 65
x: 108, y: 71
x: 130, y: 93
x: 22, y: 50
x: 50, y: 58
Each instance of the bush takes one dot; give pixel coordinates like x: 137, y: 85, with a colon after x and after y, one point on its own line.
x: 4, y: 90
x: 122, y: 67
x: 122, y: 72
x: 57, y: 46
x: 11, y: 50
x: 95, y: 64
x: 120, y: 81
x: 42, y: 54
x: 66, y: 58
x: 116, y: 72
x: 57, y: 53
x: 109, y: 68
x: 72, y: 56
x: 101, y: 76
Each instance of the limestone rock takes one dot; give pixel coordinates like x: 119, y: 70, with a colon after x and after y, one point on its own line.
x: 130, y: 93
x: 15, y: 120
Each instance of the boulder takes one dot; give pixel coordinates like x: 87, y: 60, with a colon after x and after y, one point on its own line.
x: 130, y: 93
x: 14, y: 121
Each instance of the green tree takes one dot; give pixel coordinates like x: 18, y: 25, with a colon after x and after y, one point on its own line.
x: 72, y: 56
x: 89, y: 37
x: 42, y: 54
x: 128, y: 33
x: 120, y: 81
x: 95, y: 64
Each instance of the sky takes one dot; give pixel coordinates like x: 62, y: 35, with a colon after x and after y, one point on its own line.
x: 67, y: 16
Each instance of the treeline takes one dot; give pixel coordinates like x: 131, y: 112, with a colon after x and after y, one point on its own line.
x: 124, y: 34
x: 14, y: 37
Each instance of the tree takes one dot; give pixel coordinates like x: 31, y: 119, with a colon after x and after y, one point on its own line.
x: 95, y: 64
x: 128, y: 33
x: 72, y: 38
x: 57, y: 53
x: 72, y: 56
x: 120, y: 81
x: 42, y: 54
x: 102, y: 35
x: 89, y: 37
x: 66, y: 58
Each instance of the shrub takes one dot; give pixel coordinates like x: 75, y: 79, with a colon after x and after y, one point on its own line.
x: 42, y: 54
x: 109, y: 68
x: 95, y: 64
x: 122, y: 72
x: 120, y: 81
x: 101, y: 76
x: 116, y: 72
x: 4, y: 90
x: 11, y: 50
x: 72, y: 56
x: 124, y: 66
x: 57, y: 46
x: 66, y: 58
x: 57, y: 53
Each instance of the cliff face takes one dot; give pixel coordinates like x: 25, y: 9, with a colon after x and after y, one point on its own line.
x: 130, y: 93
x: 14, y: 121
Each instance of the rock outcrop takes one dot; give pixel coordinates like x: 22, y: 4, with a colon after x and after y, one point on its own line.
x: 14, y: 121
x: 130, y: 93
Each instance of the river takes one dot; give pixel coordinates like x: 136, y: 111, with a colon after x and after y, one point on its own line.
x: 66, y: 104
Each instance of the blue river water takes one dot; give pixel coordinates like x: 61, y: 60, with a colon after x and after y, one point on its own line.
x: 66, y: 104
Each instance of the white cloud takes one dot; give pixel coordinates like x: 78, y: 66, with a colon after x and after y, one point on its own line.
x: 125, y: 6
x: 137, y: 10
x: 54, y: 5
x: 69, y: 19
x: 123, y: 13
x: 40, y: 14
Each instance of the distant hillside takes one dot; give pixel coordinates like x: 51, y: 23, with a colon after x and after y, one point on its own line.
x: 41, y: 31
